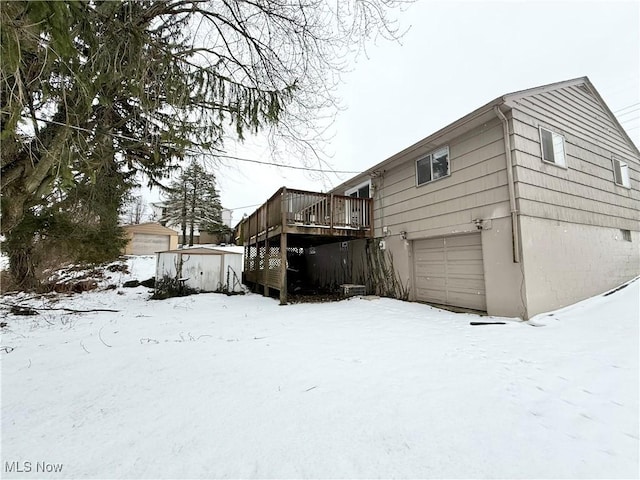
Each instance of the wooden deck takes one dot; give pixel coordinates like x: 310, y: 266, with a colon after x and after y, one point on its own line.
x: 289, y: 220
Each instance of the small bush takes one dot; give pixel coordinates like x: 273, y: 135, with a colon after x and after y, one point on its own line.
x: 168, y: 287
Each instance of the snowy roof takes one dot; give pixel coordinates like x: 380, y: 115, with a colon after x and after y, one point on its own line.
x: 207, y: 250
x: 230, y: 249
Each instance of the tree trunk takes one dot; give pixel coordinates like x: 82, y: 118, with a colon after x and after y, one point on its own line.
x: 184, y: 218
x: 192, y: 212
x: 22, y: 264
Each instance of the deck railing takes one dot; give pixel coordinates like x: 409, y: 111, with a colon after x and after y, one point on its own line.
x: 299, y: 209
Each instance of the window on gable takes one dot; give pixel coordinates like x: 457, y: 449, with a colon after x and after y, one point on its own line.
x: 552, y: 147
x: 621, y: 173
x: 626, y: 235
x: 433, y: 166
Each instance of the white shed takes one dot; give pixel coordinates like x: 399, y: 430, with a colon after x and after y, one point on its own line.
x: 203, y: 268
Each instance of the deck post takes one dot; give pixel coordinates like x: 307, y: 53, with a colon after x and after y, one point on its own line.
x: 331, y: 215
x: 283, y: 249
x: 283, y: 269
x: 370, y: 209
x: 267, y: 253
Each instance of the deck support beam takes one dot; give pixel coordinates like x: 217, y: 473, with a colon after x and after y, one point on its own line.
x: 265, y: 271
x: 283, y: 269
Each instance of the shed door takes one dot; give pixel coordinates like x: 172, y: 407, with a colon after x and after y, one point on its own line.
x: 148, y: 244
x: 449, y: 271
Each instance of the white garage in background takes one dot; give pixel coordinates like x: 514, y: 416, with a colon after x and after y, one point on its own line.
x: 205, y: 269
x: 149, y: 238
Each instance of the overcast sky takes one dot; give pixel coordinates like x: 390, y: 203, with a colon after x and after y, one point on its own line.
x: 456, y: 57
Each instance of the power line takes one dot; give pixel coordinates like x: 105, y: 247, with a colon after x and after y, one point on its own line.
x: 627, y: 113
x: 196, y: 152
x: 246, y: 206
x: 629, y: 120
x: 628, y: 106
x: 283, y: 165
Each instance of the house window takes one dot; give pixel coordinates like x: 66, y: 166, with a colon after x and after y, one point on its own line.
x: 433, y: 166
x: 621, y: 173
x: 552, y: 147
x: 626, y: 235
x: 361, y: 191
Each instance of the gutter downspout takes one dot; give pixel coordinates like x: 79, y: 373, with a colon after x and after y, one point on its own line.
x: 510, y: 184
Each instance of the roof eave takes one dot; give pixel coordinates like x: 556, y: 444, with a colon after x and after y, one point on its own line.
x: 443, y: 131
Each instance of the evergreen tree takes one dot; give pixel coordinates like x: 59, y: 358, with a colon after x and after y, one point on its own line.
x: 193, y: 201
x: 95, y: 92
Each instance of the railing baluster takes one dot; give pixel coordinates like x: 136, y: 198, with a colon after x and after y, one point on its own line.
x: 308, y: 208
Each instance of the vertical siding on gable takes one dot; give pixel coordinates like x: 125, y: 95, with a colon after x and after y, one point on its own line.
x: 585, y: 191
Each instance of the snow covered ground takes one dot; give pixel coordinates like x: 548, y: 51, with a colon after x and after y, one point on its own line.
x: 211, y: 386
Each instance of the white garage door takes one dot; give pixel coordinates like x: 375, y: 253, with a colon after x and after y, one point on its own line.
x: 449, y: 271
x: 148, y: 244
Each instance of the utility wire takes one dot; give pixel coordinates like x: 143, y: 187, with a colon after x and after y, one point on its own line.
x: 196, y: 152
x: 629, y: 120
x: 627, y: 113
x: 283, y: 165
x: 246, y: 206
x: 628, y: 106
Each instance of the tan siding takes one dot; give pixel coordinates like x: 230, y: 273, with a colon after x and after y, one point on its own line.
x: 466, y: 152
x: 484, y: 161
x: 564, y: 116
x: 479, y: 191
x: 586, y: 154
x: 585, y: 191
x: 576, y: 202
x: 582, y: 185
x: 567, y: 214
x: 454, y: 192
x: 585, y: 106
x: 476, y: 186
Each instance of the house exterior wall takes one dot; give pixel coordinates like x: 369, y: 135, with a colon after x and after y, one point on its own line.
x: 584, y: 192
x: 570, y: 220
x: 571, y: 217
x: 568, y: 262
x: 476, y: 189
x: 504, y: 279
